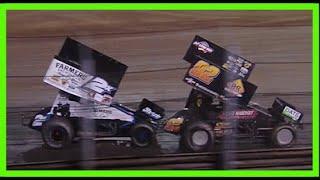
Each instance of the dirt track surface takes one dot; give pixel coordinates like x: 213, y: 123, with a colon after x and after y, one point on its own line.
x: 152, y: 44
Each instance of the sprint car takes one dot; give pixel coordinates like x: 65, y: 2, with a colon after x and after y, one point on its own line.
x: 84, y: 108
x: 219, y: 103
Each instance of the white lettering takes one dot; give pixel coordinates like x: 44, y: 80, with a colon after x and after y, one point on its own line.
x: 149, y: 111
x: 295, y: 115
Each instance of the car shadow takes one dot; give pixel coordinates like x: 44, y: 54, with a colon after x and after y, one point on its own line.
x: 87, y: 150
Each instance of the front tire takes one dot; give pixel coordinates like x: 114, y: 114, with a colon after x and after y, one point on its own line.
x: 143, y: 134
x: 57, y: 133
x: 283, y: 136
x: 197, y: 136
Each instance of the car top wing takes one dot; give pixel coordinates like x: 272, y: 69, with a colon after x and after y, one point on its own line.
x: 85, y: 72
x: 201, y: 48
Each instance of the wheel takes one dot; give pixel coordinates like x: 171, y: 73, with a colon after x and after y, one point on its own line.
x: 197, y: 136
x: 283, y: 136
x: 57, y: 133
x: 143, y: 134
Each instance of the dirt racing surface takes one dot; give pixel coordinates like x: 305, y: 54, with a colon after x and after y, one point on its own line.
x: 152, y: 44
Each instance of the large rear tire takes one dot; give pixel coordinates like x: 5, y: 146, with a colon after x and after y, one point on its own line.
x: 143, y: 134
x: 57, y: 133
x: 283, y: 136
x: 197, y: 136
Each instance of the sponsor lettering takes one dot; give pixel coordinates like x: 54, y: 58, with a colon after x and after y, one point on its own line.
x: 291, y: 113
x: 76, y: 82
x: 62, y: 67
x: 237, y: 65
x: 106, y: 111
x: 244, y: 113
x: 99, y: 90
x: 192, y: 82
x: 204, y: 72
x: 235, y: 87
x: 239, y: 115
x: 99, y: 85
x: 149, y: 112
x: 38, y: 120
x: 203, y: 46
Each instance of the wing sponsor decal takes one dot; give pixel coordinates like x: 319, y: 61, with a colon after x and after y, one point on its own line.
x: 64, y: 68
x: 203, y: 46
x: 99, y: 90
x: 204, y: 72
x: 192, y: 82
x: 99, y: 85
x: 235, y: 87
x: 79, y: 83
x: 238, y: 66
x: 64, y: 76
x: 216, y: 81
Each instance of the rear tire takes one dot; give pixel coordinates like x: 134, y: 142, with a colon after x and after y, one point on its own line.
x: 197, y: 136
x: 57, y: 133
x: 143, y: 134
x: 283, y: 136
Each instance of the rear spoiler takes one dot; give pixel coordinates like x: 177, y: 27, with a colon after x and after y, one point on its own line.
x: 218, y: 72
x: 85, y: 72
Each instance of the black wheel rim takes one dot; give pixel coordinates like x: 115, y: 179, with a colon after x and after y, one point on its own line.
x: 57, y: 134
x: 143, y: 136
